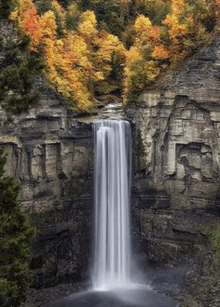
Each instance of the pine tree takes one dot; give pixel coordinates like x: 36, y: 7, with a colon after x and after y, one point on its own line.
x: 15, y: 235
x: 18, y: 70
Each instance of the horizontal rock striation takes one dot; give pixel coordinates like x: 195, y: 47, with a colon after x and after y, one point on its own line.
x: 51, y: 153
x: 177, y: 170
x: 175, y: 184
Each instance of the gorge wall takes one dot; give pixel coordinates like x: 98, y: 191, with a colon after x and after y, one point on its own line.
x: 51, y: 154
x: 176, y: 177
x: 176, y: 174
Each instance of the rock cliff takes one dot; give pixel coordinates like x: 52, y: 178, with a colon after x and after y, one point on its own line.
x: 176, y: 174
x: 176, y: 177
x: 51, y: 154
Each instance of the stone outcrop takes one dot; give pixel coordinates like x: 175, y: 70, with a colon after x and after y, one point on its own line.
x: 51, y: 154
x: 177, y: 170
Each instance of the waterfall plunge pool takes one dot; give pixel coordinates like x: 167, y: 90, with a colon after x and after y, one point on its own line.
x: 138, y: 296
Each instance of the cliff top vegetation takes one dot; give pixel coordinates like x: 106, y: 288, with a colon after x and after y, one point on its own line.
x: 89, y: 45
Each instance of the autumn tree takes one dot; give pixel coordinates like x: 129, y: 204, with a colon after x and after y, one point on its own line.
x: 145, y: 59
x: 129, y: 42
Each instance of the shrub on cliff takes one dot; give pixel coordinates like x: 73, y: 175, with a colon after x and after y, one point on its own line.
x: 15, y: 235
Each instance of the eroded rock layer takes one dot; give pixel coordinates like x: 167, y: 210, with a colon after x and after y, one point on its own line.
x: 176, y: 175
x: 51, y: 154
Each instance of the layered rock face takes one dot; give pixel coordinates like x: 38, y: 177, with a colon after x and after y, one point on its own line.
x: 51, y: 154
x: 176, y: 174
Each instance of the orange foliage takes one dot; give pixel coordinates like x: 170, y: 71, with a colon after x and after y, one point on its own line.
x: 160, y: 53
x: 85, y: 56
x: 31, y: 26
x: 72, y: 63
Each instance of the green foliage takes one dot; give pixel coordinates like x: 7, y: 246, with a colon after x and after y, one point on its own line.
x: 43, y: 6
x: 215, y: 244
x: 72, y: 17
x: 108, y: 13
x: 65, y: 3
x: 118, y: 61
x: 5, y: 8
x: 144, y: 73
x: 156, y: 10
x: 18, y: 71
x: 15, y: 235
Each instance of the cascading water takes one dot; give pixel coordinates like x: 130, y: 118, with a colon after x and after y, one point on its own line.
x: 112, y: 250
x: 112, y: 246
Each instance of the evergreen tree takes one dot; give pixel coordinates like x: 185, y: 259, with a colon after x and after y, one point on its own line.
x: 15, y: 235
x: 18, y: 70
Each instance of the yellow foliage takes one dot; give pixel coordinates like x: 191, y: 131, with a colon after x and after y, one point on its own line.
x: 58, y: 8
x: 106, y: 44
x: 89, y: 16
x: 64, y: 75
x: 142, y: 24
x: 87, y: 55
x: 176, y: 29
x: 140, y: 68
x: 177, y: 6
x: 48, y: 24
x: 132, y: 55
x: 99, y: 76
x: 87, y: 29
x: 87, y: 25
x: 14, y: 14
x: 160, y: 53
x: 77, y: 51
x: 21, y: 7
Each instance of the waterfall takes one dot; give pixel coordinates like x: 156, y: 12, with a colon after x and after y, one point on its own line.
x: 112, y: 246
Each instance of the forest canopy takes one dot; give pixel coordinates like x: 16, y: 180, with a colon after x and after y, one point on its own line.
x: 126, y: 44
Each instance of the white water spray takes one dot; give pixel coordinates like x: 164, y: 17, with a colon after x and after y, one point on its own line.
x: 112, y: 250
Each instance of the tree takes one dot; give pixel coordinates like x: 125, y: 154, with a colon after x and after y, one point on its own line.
x: 84, y: 42
x: 15, y: 236
x: 145, y: 59
x: 18, y: 70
